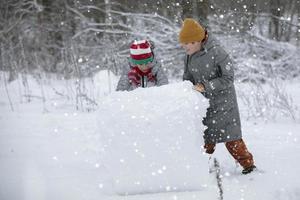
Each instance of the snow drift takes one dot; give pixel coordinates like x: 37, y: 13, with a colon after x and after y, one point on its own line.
x: 151, y: 139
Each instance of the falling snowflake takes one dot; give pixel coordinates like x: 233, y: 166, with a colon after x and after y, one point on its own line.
x: 227, y: 67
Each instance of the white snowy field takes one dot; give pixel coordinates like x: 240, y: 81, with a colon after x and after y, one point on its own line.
x: 60, y: 154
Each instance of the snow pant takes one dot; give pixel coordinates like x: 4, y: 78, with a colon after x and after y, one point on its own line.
x: 240, y: 153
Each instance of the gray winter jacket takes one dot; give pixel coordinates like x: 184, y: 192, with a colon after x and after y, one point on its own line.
x: 212, y: 67
x: 160, y: 77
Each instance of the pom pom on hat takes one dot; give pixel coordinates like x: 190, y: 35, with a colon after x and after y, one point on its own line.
x: 140, y: 52
x: 191, y: 31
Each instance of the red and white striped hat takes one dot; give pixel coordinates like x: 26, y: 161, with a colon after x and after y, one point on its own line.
x: 140, y: 52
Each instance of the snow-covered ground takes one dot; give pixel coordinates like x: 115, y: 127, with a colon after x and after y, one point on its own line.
x: 59, y: 153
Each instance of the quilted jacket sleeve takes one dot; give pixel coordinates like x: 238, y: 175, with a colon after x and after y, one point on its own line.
x: 161, y: 78
x: 225, y: 71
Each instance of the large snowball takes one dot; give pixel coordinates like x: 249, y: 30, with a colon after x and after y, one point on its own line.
x: 152, y: 139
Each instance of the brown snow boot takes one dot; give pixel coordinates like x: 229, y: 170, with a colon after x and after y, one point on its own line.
x: 240, y: 153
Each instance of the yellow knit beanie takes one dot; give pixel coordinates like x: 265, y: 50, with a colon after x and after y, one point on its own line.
x: 191, y: 31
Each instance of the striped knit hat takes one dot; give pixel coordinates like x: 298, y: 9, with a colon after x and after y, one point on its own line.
x: 140, y: 52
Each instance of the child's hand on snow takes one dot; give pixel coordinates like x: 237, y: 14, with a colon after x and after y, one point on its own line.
x: 199, y: 87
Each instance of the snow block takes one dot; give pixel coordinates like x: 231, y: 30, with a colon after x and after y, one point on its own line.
x: 151, y: 139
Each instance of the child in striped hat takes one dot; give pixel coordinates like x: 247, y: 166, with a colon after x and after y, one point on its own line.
x: 143, y: 69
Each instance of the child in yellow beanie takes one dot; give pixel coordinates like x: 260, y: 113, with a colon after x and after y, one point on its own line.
x: 210, y: 69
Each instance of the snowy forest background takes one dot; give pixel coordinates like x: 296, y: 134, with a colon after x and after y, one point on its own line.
x: 72, y: 40
x: 65, y: 133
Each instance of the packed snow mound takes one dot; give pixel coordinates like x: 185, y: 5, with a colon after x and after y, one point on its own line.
x: 152, y: 137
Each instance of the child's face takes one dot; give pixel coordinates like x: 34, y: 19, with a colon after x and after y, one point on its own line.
x: 191, y: 47
x: 144, y: 67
